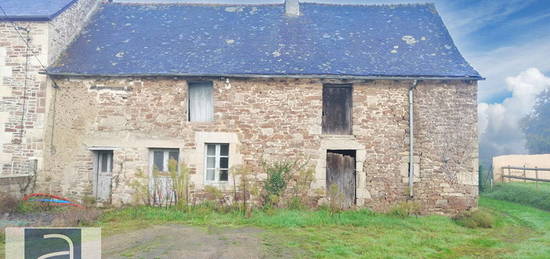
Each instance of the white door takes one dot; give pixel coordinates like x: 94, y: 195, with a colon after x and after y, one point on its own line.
x: 104, y: 174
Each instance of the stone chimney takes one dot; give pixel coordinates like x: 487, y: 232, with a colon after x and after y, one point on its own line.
x: 292, y: 7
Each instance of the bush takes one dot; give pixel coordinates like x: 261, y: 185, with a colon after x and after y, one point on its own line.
x: 523, y: 193
x: 278, y: 176
x: 8, y: 203
x: 475, y: 219
x: 405, y: 209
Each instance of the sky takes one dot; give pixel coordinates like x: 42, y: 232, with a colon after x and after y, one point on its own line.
x: 506, y: 41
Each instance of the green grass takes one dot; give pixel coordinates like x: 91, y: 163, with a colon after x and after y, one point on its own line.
x: 524, y: 193
x: 519, y: 232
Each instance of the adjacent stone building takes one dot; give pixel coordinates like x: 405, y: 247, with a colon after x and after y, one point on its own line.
x: 217, y: 86
x: 32, y: 35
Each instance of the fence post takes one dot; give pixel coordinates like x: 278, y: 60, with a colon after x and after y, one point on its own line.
x: 509, y: 174
x: 491, y: 178
x: 537, y: 178
x: 524, y: 175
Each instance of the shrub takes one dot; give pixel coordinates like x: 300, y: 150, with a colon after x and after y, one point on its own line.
x: 286, y: 180
x: 301, y: 185
x: 475, y: 219
x: 180, y: 183
x: 245, y: 189
x: 278, y: 176
x: 164, y: 188
x: 406, y: 208
x: 8, y: 203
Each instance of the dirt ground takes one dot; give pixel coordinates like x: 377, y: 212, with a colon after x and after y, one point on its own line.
x: 177, y: 241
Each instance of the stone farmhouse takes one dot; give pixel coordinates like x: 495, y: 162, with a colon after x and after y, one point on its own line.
x: 377, y: 98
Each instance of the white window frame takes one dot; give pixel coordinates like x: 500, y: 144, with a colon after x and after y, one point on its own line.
x: 217, y: 157
x: 166, y: 158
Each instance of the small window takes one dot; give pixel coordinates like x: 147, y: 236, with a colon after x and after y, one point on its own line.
x: 160, y: 159
x: 105, y: 161
x: 217, y: 163
x: 201, y: 103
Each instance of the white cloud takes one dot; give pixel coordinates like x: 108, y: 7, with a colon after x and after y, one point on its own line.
x: 499, y: 127
x: 509, y: 60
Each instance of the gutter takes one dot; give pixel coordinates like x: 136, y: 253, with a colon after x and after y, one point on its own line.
x: 308, y: 76
x: 411, y: 138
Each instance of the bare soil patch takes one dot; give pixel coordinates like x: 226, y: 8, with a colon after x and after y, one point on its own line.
x: 178, y: 241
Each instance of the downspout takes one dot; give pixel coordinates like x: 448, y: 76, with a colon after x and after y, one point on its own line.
x: 411, y: 138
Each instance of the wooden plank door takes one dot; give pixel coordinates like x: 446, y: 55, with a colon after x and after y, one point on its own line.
x: 337, y: 105
x: 341, y: 174
x: 104, y: 175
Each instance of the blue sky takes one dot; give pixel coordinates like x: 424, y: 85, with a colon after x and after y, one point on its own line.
x: 507, y: 41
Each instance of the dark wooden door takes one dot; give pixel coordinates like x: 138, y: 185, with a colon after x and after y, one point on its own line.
x: 337, y: 104
x: 341, y: 178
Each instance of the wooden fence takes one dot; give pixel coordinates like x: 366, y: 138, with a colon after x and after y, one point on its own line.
x: 523, y: 171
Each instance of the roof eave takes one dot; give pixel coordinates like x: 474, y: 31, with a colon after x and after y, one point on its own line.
x: 307, y: 76
x: 36, y: 18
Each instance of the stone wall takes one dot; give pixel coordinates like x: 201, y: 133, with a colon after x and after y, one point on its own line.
x: 270, y: 119
x: 24, y: 92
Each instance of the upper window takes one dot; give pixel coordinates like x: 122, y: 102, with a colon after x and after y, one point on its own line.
x: 201, y: 101
x: 337, y: 109
x: 217, y: 162
x: 160, y: 159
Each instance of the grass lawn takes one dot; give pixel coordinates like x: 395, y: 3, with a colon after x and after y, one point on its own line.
x: 519, y: 232
x: 537, y: 196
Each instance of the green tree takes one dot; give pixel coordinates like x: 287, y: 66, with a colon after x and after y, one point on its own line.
x: 536, y: 125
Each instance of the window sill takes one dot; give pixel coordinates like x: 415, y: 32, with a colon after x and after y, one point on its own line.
x: 217, y: 183
x: 331, y: 136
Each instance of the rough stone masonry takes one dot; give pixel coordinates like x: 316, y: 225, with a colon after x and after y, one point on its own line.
x: 25, y: 90
x: 270, y: 119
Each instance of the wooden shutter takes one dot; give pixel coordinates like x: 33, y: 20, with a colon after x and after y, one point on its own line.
x: 337, y: 105
x: 201, y: 101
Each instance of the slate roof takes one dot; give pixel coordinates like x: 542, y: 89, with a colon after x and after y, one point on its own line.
x: 33, y: 10
x: 341, y: 41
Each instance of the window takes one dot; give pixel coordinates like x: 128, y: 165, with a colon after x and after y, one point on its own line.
x: 160, y: 159
x: 217, y: 162
x: 337, y: 105
x: 201, y: 103
x: 105, y: 161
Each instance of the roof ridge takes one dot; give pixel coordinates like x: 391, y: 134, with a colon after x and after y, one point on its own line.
x: 266, y: 4
x: 186, y: 4
x: 371, y: 5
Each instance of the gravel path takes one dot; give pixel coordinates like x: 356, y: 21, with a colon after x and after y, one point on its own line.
x: 177, y: 241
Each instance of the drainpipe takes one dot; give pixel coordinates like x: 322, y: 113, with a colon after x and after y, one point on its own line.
x: 411, y: 138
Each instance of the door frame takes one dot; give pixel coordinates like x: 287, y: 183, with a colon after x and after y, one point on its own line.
x: 341, y: 142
